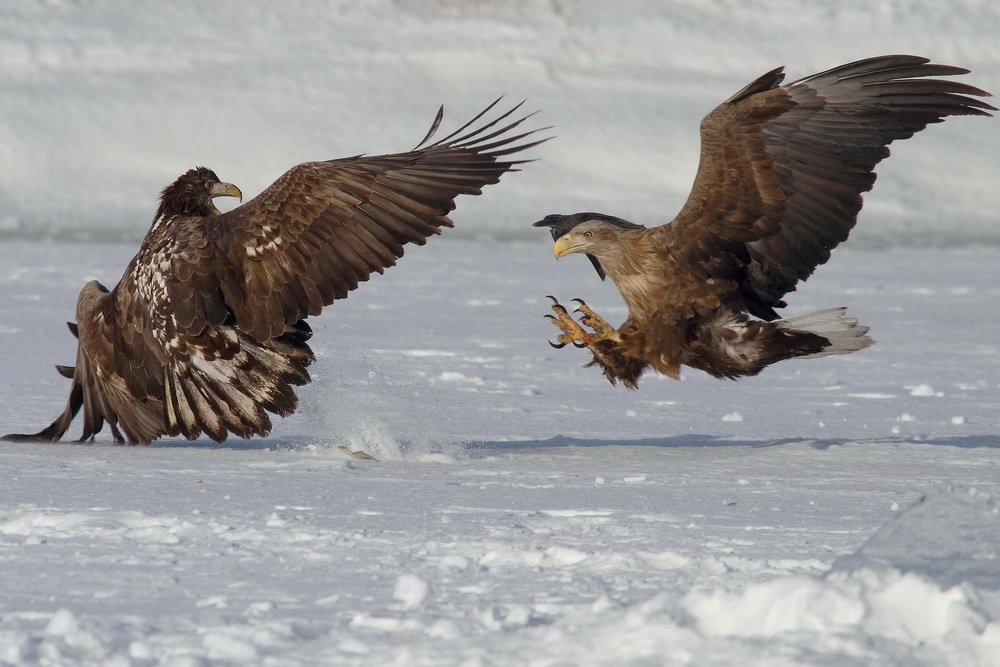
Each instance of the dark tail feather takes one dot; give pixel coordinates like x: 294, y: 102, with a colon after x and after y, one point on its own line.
x: 54, y: 431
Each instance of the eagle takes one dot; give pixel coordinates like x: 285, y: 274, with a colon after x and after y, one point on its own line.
x: 206, y: 331
x: 778, y: 186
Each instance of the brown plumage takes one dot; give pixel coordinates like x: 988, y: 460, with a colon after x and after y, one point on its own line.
x: 778, y: 187
x: 206, y: 332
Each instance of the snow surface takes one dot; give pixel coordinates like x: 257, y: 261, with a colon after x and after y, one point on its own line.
x: 839, y: 511
x: 522, y: 510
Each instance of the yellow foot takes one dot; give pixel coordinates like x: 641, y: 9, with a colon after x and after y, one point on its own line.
x: 591, y: 319
x: 572, y: 332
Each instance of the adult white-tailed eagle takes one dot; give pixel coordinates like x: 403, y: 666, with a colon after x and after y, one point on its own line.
x: 206, y: 332
x: 778, y: 186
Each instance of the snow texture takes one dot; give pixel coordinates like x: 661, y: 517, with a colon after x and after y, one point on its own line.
x: 520, y: 510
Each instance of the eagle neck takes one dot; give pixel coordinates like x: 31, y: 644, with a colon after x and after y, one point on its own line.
x: 631, y: 266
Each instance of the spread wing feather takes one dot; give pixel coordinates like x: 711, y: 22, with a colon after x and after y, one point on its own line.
x: 205, y: 331
x: 324, y: 227
x: 783, y: 168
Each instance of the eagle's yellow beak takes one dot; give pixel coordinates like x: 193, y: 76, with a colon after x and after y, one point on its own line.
x: 565, y: 245
x: 226, y: 190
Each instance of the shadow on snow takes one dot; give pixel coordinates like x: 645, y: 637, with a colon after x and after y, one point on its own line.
x: 302, y: 442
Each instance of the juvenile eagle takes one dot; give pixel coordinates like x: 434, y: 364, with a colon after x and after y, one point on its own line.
x: 206, y: 332
x: 778, y: 186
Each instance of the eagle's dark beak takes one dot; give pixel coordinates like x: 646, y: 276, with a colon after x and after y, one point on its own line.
x: 226, y: 190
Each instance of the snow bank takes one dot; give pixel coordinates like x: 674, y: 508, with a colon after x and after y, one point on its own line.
x: 105, y: 103
x: 950, y: 537
x: 861, y: 608
x: 913, y: 585
x: 862, y: 613
x: 866, y: 610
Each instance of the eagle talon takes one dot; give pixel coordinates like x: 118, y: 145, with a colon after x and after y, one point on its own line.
x: 572, y: 331
x: 557, y: 307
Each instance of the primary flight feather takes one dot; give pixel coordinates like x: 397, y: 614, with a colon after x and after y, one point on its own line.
x: 778, y: 186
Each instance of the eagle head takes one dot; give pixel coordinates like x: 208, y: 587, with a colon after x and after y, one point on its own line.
x: 593, y: 237
x: 192, y: 194
x: 594, y: 234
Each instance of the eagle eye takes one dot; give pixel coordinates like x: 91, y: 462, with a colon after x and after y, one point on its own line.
x: 588, y: 235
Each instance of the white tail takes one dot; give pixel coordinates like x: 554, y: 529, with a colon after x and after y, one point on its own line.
x: 844, y: 333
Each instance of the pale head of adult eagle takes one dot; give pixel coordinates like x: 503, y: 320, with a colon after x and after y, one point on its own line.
x: 778, y: 187
x: 206, y: 333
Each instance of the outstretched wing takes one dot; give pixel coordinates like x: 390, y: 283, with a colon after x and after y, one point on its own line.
x: 118, y: 377
x: 782, y: 168
x: 324, y: 227
x: 119, y: 364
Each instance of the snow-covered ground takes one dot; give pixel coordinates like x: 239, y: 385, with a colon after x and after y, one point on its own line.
x: 523, y: 511
x: 840, y: 511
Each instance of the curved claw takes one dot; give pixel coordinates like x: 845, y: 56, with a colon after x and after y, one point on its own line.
x: 558, y: 346
x: 577, y: 343
x: 555, y: 304
x: 580, y: 301
x: 551, y: 317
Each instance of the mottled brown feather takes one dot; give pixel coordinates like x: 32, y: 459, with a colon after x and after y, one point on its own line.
x: 205, y: 333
